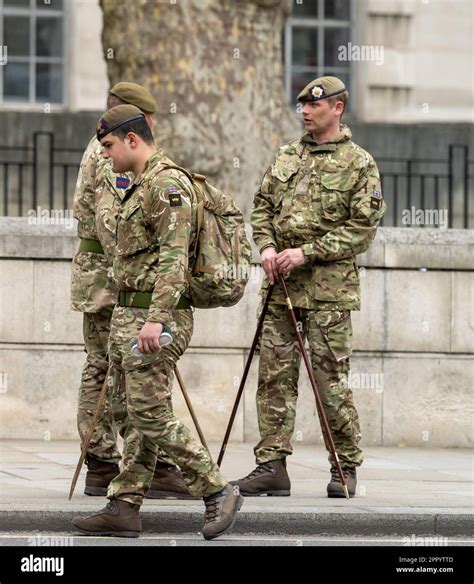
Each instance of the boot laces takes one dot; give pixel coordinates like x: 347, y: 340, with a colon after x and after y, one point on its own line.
x: 348, y: 473
x: 212, y: 509
x: 260, y: 469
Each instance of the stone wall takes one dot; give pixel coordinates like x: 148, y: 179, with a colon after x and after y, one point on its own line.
x: 412, y: 368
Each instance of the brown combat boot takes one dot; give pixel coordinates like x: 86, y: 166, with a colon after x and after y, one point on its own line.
x: 221, y: 511
x: 168, y: 483
x: 269, y: 478
x: 99, y: 474
x: 335, y: 488
x: 117, y: 518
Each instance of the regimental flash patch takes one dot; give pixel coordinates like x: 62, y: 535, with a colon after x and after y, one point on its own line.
x: 375, y: 203
x: 175, y: 199
x: 122, y: 182
x: 376, y: 200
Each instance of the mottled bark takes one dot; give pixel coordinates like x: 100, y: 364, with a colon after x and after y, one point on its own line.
x: 216, y: 70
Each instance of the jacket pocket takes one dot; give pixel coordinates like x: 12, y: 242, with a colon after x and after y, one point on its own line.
x: 284, y: 174
x: 335, y: 194
x: 132, y: 234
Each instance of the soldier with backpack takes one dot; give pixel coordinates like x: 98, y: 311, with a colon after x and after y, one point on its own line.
x: 158, y: 244
x: 98, y: 194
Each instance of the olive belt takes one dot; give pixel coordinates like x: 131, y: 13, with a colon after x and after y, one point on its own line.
x: 91, y: 245
x: 138, y: 299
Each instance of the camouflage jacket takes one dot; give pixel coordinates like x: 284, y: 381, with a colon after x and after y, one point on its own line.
x: 155, y: 236
x: 327, y: 200
x: 96, y: 200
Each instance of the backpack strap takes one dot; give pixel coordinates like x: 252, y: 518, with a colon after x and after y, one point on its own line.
x: 194, y: 179
x: 165, y: 166
x: 146, y: 202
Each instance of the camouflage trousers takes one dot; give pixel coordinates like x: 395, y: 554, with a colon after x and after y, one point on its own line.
x: 329, y: 334
x: 148, y: 385
x: 113, y: 417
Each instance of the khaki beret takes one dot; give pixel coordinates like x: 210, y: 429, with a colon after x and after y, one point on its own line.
x: 321, y: 88
x: 115, y: 117
x: 135, y: 94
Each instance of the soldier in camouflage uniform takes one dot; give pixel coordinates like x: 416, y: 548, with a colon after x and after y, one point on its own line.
x: 156, y: 233
x: 318, y: 207
x: 97, y: 197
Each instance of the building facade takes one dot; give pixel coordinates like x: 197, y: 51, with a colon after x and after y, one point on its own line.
x: 408, y: 65
x: 404, y: 61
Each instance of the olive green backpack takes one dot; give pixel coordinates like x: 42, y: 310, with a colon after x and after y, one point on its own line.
x: 220, y: 267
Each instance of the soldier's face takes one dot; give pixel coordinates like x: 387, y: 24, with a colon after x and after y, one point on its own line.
x: 118, y: 151
x: 319, y: 116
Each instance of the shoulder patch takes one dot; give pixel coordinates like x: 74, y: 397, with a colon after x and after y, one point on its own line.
x: 174, y: 197
x: 376, y: 200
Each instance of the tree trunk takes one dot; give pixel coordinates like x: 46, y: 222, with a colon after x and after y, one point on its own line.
x: 216, y: 70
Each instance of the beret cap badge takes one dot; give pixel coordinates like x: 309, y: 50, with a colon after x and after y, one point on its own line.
x: 317, y: 91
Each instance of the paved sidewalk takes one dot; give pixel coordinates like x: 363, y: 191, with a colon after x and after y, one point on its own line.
x: 401, y: 491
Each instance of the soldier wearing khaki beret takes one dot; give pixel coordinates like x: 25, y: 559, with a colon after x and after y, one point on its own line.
x: 317, y: 208
x: 156, y: 236
x: 98, y: 195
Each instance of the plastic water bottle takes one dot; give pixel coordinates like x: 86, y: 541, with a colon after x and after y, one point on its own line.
x: 166, y: 338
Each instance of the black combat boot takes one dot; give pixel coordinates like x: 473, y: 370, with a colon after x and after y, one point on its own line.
x: 335, y: 488
x: 221, y: 511
x: 99, y: 474
x: 269, y: 478
x: 118, y: 518
x: 168, y: 483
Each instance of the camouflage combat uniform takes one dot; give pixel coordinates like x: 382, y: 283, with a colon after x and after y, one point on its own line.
x: 94, y: 293
x: 327, y: 200
x: 155, y: 233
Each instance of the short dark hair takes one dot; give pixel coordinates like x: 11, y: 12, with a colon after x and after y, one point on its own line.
x: 113, y: 100
x: 344, y: 97
x: 138, y: 127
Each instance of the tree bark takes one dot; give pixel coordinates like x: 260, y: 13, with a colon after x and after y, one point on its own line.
x: 216, y: 70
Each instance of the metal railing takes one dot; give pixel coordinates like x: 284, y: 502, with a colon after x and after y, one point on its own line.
x: 45, y: 174
x: 39, y: 175
x: 429, y: 184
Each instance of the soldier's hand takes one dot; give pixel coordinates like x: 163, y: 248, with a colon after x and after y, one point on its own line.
x: 289, y: 259
x: 268, y: 263
x: 149, y: 338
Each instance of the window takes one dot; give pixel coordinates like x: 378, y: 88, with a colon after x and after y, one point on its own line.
x: 313, y: 35
x: 32, y: 45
